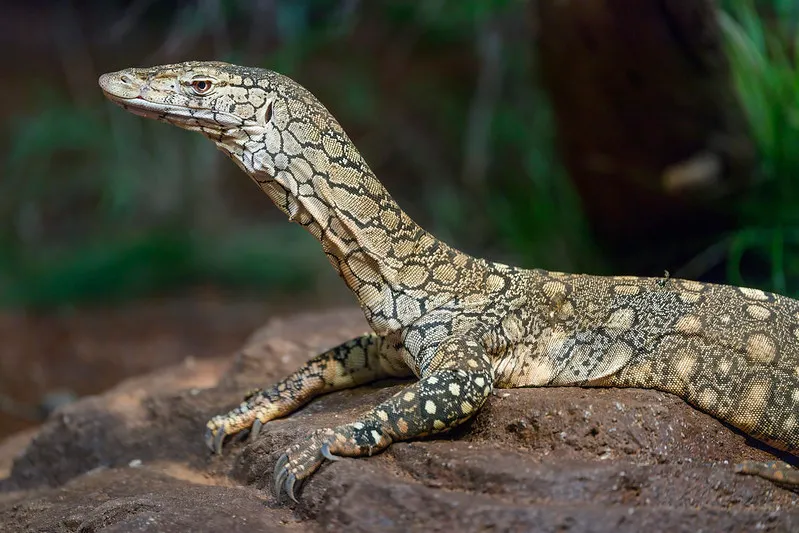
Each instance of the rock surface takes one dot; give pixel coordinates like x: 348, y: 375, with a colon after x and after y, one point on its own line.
x: 564, y: 459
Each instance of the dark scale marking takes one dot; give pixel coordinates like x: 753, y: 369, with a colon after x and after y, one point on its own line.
x: 466, y: 325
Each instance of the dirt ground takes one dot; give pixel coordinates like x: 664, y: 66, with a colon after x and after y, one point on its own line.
x: 50, y: 357
x: 566, y: 459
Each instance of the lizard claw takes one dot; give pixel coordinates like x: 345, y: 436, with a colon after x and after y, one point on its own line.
x: 290, y: 481
x: 256, y: 429
x: 280, y: 473
x: 215, y: 437
x: 219, y: 439
x: 209, y: 438
x: 325, y: 451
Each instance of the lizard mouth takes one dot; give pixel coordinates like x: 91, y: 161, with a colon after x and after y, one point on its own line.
x: 140, y: 106
x: 171, y: 113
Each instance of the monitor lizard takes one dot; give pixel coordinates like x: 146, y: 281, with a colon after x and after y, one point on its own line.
x: 462, y: 325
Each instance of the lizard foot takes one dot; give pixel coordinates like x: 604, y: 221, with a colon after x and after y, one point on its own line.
x: 250, y: 415
x: 302, y: 460
x: 776, y: 471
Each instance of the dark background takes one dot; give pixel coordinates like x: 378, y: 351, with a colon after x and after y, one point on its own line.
x: 552, y: 137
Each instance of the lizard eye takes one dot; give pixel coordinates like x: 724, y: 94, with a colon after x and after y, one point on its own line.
x: 201, y: 87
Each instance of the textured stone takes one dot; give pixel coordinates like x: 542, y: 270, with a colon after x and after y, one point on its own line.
x: 533, y: 459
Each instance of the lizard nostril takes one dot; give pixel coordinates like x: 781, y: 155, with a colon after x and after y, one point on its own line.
x: 124, y: 78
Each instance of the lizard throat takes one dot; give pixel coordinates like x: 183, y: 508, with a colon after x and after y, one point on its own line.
x: 345, y: 224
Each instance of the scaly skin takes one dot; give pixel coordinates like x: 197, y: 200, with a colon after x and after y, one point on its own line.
x: 461, y: 324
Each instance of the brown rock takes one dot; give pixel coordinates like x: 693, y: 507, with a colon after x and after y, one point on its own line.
x: 564, y: 459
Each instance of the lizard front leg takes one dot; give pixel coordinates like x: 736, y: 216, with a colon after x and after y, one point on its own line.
x: 356, y: 362
x: 448, y: 395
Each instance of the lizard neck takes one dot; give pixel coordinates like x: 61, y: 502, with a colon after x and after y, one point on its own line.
x: 368, y: 239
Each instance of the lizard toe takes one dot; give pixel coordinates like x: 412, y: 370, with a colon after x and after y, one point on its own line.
x: 776, y: 471
x: 246, y: 420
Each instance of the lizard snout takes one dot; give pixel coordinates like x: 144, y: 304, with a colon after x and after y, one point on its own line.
x: 121, y: 84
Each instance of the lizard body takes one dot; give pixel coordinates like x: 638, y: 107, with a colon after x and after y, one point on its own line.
x: 460, y: 324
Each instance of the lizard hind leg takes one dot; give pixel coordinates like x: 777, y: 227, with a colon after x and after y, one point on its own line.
x: 444, y: 397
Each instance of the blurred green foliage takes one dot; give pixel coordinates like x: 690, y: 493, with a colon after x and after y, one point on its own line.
x: 762, y: 45
x: 103, y: 208
x: 99, y: 205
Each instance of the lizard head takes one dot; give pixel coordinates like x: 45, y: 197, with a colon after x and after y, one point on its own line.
x: 258, y: 117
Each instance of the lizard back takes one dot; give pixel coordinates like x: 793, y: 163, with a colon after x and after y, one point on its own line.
x: 729, y: 351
